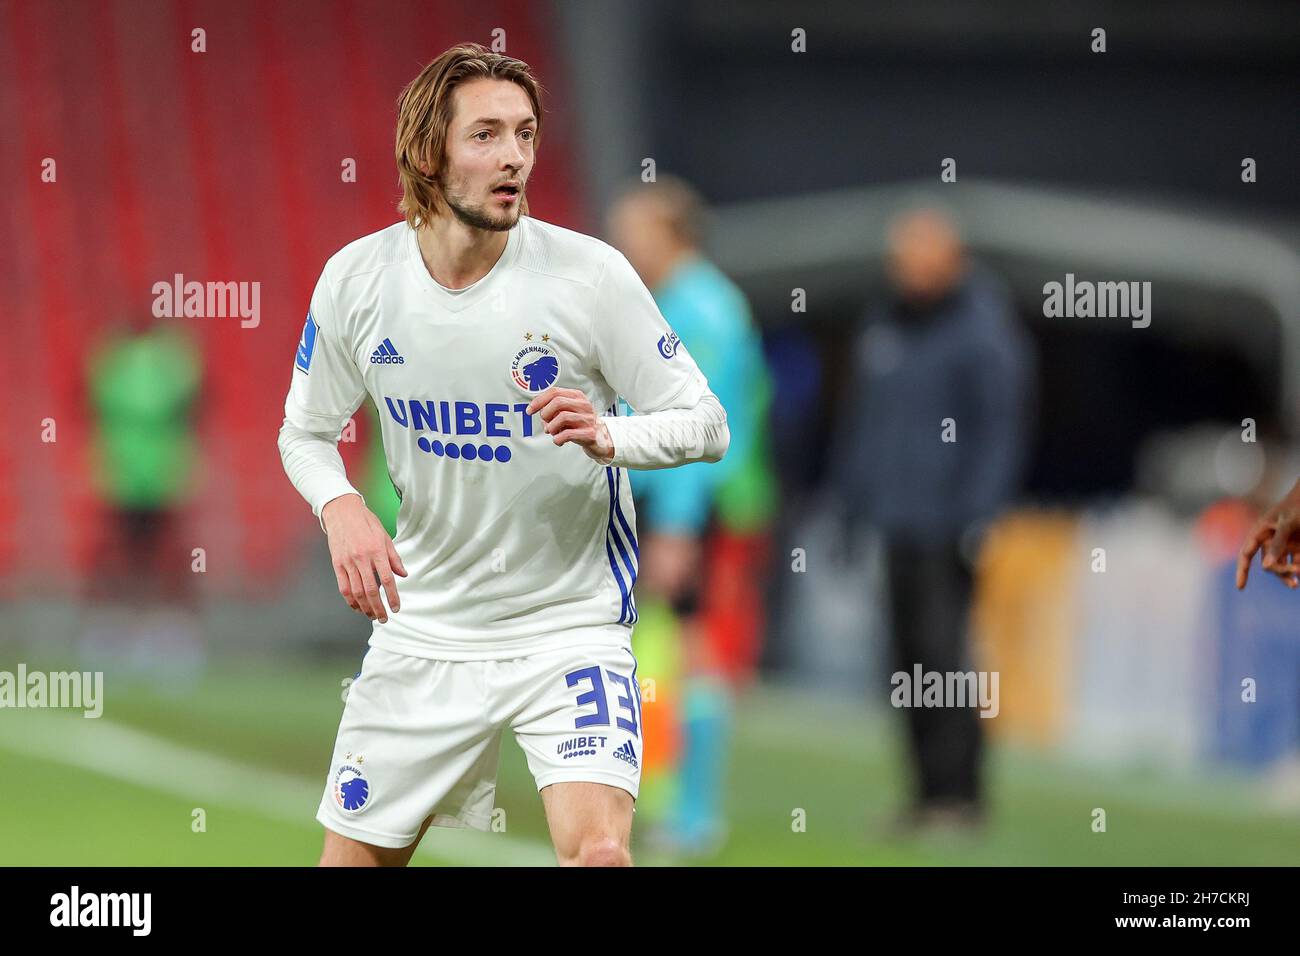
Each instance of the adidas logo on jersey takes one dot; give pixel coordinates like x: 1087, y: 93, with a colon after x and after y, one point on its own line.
x: 386, y: 355
x: 627, y: 753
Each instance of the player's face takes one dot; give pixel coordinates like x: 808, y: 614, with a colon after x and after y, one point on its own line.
x: 489, y: 153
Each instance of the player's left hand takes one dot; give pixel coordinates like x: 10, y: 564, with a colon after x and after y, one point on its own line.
x: 569, y: 417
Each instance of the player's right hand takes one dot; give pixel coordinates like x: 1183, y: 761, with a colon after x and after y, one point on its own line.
x: 363, y: 555
x: 1278, y: 534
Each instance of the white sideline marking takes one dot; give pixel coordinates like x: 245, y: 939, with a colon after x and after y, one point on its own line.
x: 124, y: 753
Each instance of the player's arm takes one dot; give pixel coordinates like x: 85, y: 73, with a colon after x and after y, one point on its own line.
x: 326, y: 390
x: 1278, y: 534
x: 679, y: 420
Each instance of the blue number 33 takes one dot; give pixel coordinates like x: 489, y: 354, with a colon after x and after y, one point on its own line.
x: 626, y: 701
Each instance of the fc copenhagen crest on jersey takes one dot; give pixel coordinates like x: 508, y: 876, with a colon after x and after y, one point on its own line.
x: 536, y: 366
x: 351, y: 788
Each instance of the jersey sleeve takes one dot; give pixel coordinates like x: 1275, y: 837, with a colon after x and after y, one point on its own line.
x: 637, y: 352
x: 327, y: 386
x: 325, y: 391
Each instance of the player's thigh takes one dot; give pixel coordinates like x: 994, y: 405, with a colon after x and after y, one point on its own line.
x: 578, y: 721
x: 344, y: 851
x: 413, y: 742
x: 590, y: 823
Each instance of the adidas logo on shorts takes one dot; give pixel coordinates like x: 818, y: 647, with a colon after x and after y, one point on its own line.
x: 627, y: 753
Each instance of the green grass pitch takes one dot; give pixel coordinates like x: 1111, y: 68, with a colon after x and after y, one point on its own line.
x: 249, y: 744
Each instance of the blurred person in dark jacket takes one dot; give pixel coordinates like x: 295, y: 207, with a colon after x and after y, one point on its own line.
x: 930, y: 448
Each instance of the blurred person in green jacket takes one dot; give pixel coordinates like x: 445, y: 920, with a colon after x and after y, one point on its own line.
x: 143, y: 380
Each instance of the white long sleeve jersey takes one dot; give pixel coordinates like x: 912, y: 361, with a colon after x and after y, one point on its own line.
x: 513, y: 545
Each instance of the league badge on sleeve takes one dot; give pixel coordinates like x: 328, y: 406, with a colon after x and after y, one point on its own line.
x: 307, y: 344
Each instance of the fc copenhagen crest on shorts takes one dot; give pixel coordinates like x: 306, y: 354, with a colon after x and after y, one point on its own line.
x: 536, y: 366
x: 351, y: 788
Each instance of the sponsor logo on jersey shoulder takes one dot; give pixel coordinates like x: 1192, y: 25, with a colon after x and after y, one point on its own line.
x: 627, y: 753
x: 668, y: 345
x: 535, y: 367
x: 351, y: 788
x: 307, y: 344
x: 386, y: 354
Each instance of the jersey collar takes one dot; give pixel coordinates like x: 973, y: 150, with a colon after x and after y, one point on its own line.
x: 449, y: 301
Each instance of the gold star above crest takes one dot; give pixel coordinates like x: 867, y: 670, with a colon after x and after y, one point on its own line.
x: 528, y: 336
x: 360, y: 759
x: 546, y: 338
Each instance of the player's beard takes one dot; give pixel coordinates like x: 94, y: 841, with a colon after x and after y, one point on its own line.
x: 479, y: 217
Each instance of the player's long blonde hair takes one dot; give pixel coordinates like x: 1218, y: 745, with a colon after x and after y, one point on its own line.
x: 424, y: 112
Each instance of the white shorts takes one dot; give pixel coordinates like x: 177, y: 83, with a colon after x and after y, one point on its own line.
x: 421, y: 737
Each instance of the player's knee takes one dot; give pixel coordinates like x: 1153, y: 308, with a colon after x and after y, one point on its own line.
x: 343, y: 851
x: 603, y: 851
x: 376, y: 857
